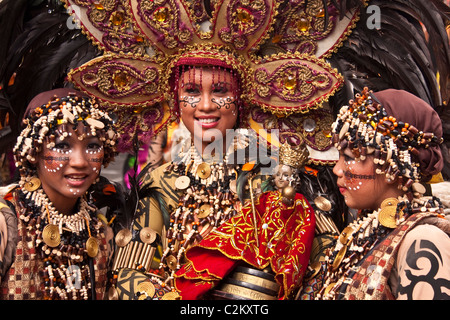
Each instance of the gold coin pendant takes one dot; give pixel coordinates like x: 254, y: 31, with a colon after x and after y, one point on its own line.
x: 92, y: 247
x: 51, y: 235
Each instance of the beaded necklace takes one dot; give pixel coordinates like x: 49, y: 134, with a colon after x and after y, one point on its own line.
x: 64, y: 242
x: 362, y: 235
x: 208, y: 199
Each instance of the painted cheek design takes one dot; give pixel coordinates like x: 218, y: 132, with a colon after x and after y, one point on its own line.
x: 190, y: 101
x: 226, y: 102
x: 55, y: 159
x: 96, y: 158
x: 354, y: 181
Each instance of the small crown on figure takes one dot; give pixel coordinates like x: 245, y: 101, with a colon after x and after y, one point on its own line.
x: 293, y: 155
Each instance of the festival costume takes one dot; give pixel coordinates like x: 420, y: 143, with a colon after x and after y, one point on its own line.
x: 346, y: 33
x: 49, y: 255
x: 125, y: 78
x: 30, y: 276
x: 284, y: 244
x: 147, y: 43
x: 371, y: 258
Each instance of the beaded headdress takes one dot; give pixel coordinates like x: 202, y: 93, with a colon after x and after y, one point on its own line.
x: 276, y: 52
x: 44, y: 124
x: 365, y: 128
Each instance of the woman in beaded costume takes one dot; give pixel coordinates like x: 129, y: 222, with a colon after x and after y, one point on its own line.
x: 201, y: 189
x: 201, y: 62
x: 274, y: 233
x: 143, y: 40
x: 399, y: 247
x: 54, y: 244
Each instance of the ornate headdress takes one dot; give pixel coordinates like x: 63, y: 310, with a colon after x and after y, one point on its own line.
x: 366, y: 128
x: 279, y: 61
x: 44, y: 123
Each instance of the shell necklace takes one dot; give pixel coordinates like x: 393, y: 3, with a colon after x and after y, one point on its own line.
x: 209, y: 195
x: 66, y: 241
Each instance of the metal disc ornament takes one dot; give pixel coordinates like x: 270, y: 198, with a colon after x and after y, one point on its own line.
x: 146, y: 287
x: 92, y: 247
x: 33, y: 184
x: 389, y: 202
x: 51, y: 236
x: 123, y: 237
x: 387, y: 217
x: 203, y: 170
x: 322, y: 203
x: 171, y: 296
x: 171, y: 262
x: 345, y: 235
x: 147, y: 235
x: 204, y: 211
x: 339, y: 257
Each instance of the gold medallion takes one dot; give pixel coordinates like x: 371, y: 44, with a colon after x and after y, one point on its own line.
x: 33, y: 184
x: 92, y: 247
x: 204, y: 211
x: 203, y: 170
x: 147, y: 235
x: 387, y: 217
x: 322, y: 203
x: 389, y: 202
x: 171, y: 262
x: 345, y: 235
x: 339, y: 257
x: 171, y: 296
x: 146, y: 287
x: 123, y: 237
x: 182, y: 182
x: 51, y: 236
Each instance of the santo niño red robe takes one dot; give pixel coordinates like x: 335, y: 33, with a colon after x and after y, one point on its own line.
x: 285, y: 237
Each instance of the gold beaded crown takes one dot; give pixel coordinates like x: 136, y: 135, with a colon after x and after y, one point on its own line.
x: 295, y: 156
x: 278, y: 56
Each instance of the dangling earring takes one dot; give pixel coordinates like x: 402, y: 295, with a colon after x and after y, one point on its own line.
x: 33, y: 184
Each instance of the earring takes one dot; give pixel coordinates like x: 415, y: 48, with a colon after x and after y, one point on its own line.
x: 33, y: 184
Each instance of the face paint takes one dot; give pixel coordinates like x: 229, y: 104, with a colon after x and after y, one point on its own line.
x: 353, y: 179
x: 226, y: 103
x: 55, y: 158
x: 207, y: 104
x: 71, y: 165
x: 188, y: 101
x: 95, y: 157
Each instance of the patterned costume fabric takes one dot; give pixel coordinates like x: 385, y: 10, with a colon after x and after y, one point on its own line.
x: 371, y: 280
x: 285, y: 238
x: 25, y: 279
x: 149, y: 214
